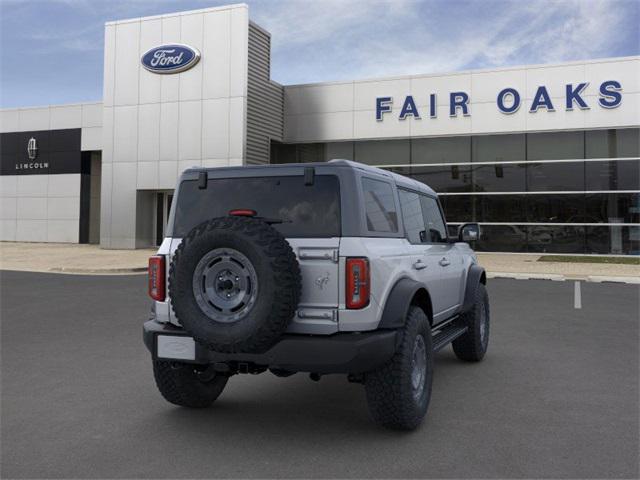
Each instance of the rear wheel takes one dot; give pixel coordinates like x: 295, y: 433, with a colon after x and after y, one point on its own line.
x: 185, y: 384
x: 398, y: 394
x: 473, y: 345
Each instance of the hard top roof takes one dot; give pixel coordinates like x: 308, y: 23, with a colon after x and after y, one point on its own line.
x: 400, y: 180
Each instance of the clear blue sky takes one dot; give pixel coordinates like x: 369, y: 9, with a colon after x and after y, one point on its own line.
x: 51, y: 50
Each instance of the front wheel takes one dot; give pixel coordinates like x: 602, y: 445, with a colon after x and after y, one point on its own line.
x: 473, y: 345
x: 398, y: 393
x: 184, y: 385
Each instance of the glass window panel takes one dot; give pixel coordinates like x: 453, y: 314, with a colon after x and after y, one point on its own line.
x: 339, y: 150
x: 613, y: 175
x: 613, y: 143
x: 613, y: 240
x: 501, y: 208
x: 555, y: 145
x: 556, y: 239
x: 383, y: 152
x: 454, y: 178
x: 380, y: 207
x: 412, y: 216
x: 434, y: 223
x: 441, y: 150
x: 567, y: 208
x: 544, y: 177
x: 459, y: 208
x: 502, y: 238
x: 283, y: 153
x: 499, y: 178
x: 499, y: 148
x: 613, y: 207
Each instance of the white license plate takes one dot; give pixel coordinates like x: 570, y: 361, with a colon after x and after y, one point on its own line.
x: 177, y: 348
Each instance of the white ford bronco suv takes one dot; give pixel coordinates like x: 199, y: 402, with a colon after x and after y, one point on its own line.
x: 323, y: 268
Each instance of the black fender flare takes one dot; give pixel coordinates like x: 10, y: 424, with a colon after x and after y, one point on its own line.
x: 475, y: 276
x: 398, y: 302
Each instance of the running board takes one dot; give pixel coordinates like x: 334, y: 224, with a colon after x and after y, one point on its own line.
x: 447, y: 335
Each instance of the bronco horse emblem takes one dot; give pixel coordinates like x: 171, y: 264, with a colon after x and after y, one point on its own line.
x: 323, y: 280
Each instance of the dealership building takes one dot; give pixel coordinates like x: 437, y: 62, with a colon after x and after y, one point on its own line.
x: 546, y: 158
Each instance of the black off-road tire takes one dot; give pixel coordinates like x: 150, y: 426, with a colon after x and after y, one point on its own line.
x: 389, y: 390
x: 180, y: 384
x: 472, y: 346
x: 278, y: 280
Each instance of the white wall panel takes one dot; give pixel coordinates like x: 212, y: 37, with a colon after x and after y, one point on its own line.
x: 422, y: 86
x: 190, y: 130
x: 149, y: 132
x: 32, y: 185
x: 554, y: 78
x: 485, y: 86
x: 8, y: 230
x: 63, y: 185
x: 63, y: 231
x: 238, y: 60
x: 8, y: 208
x: 91, y: 115
x: 125, y: 134
x: 63, y: 208
x: 123, y: 199
x: 91, y: 138
x: 216, y: 62
x: 626, y: 72
x: 31, y: 230
x: 34, y: 119
x: 329, y: 98
x: 32, y: 208
x: 167, y: 174
x: 9, y: 120
x: 150, y: 36
x: 127, y: 63
x: 107, y: 135
x: 215, y: 128
x: 8, y: 185
x: 147, y: 175
x: 365, y: 93
x: 237, y: 127
x: 170, y: 84
x: 169, y: 131
x: 65, y: 116
x: 192, y: 35
x: 109, y: 68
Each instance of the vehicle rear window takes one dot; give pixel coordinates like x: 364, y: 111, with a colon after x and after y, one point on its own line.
x: 306, y: 210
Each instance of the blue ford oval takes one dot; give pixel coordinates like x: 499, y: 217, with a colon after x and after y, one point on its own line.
x: 173, y: 58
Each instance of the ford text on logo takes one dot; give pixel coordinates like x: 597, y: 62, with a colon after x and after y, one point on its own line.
x: 172, y: 58
x: 508, y: 101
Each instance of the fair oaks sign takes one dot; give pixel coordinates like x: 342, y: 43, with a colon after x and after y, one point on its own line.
x: 508, y: 100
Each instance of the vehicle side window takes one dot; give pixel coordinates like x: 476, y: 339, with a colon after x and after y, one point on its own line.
x: 380, y: 207
x: 414, y: 222
x: 436, y: 230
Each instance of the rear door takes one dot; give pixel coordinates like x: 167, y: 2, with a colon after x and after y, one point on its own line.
x: 449, y: 260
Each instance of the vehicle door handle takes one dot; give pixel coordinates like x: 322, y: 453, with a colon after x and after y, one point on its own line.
x: 444, y: 262
x: 419, y: 265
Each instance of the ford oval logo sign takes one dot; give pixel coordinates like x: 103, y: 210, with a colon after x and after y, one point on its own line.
x: 173, y: 58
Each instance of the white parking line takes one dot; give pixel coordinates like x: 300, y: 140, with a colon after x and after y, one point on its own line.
x: 577, y: 296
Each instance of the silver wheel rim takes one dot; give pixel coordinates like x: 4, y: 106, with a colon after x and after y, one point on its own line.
x: 418, y: 367
x: 225, y: 285
x: 483, y: 324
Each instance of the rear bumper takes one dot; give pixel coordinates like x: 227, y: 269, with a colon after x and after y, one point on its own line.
x: 338, y: 353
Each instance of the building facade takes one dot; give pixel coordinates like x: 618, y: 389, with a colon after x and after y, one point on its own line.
x: 546, y: 158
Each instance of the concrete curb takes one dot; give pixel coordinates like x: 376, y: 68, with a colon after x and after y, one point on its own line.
x: 561, y: 278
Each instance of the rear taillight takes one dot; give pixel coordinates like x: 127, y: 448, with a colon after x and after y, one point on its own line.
x: 156, y: 277
x: 358, y: 282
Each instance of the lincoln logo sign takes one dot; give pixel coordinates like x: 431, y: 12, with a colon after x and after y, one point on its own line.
x: 172, y: 58
x: 508, y: 101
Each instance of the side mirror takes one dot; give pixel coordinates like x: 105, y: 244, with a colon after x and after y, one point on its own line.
x: 469, y: 232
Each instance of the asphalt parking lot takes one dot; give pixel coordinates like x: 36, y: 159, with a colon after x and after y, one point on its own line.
x: 557, y: 396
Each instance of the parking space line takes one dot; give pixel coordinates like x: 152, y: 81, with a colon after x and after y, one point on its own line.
x: 577, y: 295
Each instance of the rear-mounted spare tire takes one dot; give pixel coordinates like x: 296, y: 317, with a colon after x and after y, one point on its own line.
x: 234, y: 284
